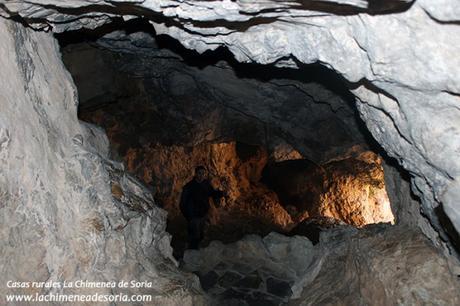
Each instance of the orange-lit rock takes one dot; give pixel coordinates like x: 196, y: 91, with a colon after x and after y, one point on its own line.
x: 351, y: 190
x: 355, y: 191
x: 249, y: 207
x: 266, y: 191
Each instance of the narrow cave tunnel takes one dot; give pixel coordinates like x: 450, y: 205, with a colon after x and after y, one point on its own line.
x: 285, y: 145
x: 334, y: 150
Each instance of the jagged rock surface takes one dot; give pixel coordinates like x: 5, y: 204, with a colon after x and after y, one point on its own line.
x: 399, y: 86
x: 361, y: 270
x: 356, y: 191
x: 351, y: 190
x: 218, y: 102
x: 348, y: 267
x: 67, y: 212
x: 402, y: 67
x: 267, y: 270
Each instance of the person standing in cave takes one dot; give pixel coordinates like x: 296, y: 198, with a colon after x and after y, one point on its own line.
x: 194, y: 205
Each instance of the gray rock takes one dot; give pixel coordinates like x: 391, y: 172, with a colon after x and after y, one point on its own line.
x: 398, y: 86
x: 378, y: 265
x: 275, y: 267
x: 227, y: 106
x: 250, y: 281
x: 209, y: 279
x: 278, y: 287
x: 54, y: 184
x: 229, y: 278
x: 67, y: 212
x: 352, y: 267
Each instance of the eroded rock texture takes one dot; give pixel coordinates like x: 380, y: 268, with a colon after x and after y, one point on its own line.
x: 375, y: 266
x: 381, y: 266
x: 68, y: 212
x: 216, y: 101
x: 351, y: 190
x: 399, y: 58
x: 268, y: 270
x: 264, y: 192
x: 166, y: 113
x: 249, y: 206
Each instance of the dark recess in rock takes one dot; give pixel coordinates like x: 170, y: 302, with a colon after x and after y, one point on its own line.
x: 281, y: 101
x: 278, y: 287
x: 208, y: 280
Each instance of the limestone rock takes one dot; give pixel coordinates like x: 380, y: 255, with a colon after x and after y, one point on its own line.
x: 355, y: 191
x: 59, y: 218
x: 254, y: 269
x: 155, y: 87
x: 313, y: 227
x: 348, y: 267
x: 351, y: 190
x: 398, y: 86
x: 401, y: 65
x: 154, y: 124
x: 362, y: 270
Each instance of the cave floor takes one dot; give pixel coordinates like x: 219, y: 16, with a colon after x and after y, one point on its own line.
x: 230, y: 227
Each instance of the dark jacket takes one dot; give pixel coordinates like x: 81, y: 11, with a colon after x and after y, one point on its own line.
x: 194, y: 202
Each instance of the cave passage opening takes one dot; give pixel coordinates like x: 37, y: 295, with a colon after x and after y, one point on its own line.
x: 284, y: 143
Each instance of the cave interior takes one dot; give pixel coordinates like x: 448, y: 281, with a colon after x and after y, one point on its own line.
x: 329, y: 197
x: 285, y: 145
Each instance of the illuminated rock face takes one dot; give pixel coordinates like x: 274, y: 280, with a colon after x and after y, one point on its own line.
x: 163, y: 128
x: 58, y: 205
x: 249, y: 206
x: 156, y: 126
x: 356, y: 192
x: 399, y: 87
x: 351, y: 190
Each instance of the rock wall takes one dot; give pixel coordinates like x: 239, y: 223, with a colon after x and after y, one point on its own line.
x: 378, y: 265
x: 356, y: 192
x: 351, y: 190
x: 67, y: 212
x: 168, y: 169
x: 159, y: 108
x: 248, y: 207
x: 133, y: 79
x: 262, y: 194
x: 255, y: 270
x: 361, y: 270
x: 399, y: 58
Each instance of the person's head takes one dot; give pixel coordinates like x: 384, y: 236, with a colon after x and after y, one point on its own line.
x: 200, y: 173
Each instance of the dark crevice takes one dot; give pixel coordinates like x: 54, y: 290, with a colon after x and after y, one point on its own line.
x: 449, y: 229
x: 437, y: 20
x: 16, y: 17
x: 374, y: 7
x: 116, y: 24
